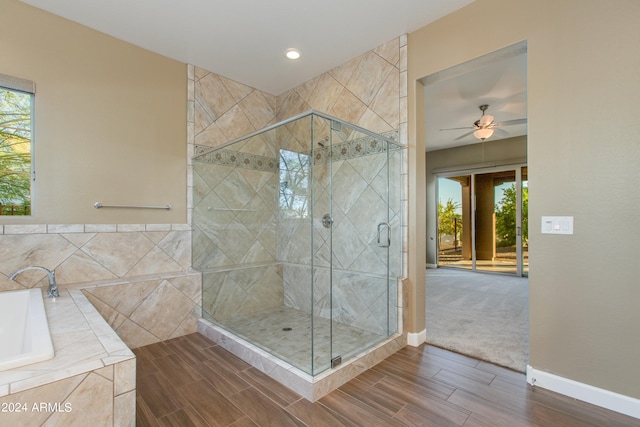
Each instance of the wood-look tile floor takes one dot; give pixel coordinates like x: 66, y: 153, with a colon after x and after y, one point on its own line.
x: 191, y: 381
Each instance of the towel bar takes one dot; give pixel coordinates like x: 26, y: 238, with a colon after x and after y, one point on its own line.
x: 99, y: 205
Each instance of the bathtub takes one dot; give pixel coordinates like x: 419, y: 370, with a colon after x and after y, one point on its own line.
x: 24, y: 331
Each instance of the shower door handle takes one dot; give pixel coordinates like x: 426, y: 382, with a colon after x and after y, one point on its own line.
x: 387, y: 243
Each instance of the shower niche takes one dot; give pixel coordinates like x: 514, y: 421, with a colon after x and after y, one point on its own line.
x: 297, y: 233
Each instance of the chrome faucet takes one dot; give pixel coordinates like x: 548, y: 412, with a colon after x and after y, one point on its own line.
x: 53, y: 288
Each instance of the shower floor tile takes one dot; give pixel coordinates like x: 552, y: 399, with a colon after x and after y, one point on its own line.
x: 269, y: 330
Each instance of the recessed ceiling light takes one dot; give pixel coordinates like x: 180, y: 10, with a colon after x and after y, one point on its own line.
x: 292, y: 53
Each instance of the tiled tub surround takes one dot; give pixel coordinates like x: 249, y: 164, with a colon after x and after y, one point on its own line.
x: 84, y: 253
x: 148, y: 309
x: 138, y: 276
x: 90, y: 380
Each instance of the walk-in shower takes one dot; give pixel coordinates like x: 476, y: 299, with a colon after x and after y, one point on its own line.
x: 297, y: 233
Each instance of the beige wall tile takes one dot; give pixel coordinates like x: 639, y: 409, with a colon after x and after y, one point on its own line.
x: 80, y: 267
x: 343, y: 72
x: 189, y: 285
x: 325, y: 93
x: 257, y: 109
x: 213, y: 97
x: 234, y: 123
x: 109, y: 314
x: 134, y: 335
x: 177, y: 245
x: 390, y: 51
x: 385, y: 102
x: 124, y: 298
x: 156, y: 261
x: 83, y: 408
x: 348, y: 107
x: 118, y: 252
x: 65, y: 228
x: 190, y: 324
x: 124, y: 410
x: 210, y: 136
x: 106, y: 372
x: 237, y: 90
x: 25, y: 229
x: 163, y: 310
x: 291, y: 103
x: 54, y: 392
x: 47, y: 250
x: 125, y: 377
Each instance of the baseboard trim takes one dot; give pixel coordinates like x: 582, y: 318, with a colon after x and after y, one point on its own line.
x: 585, y: 392
x: 414, y: 339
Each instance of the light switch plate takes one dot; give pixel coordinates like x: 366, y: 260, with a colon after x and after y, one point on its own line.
x: 557, y: 225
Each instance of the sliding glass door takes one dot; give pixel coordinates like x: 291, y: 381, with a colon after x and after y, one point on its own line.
x: 482, y: 220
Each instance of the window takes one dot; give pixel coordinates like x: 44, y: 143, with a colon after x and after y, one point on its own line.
x: 294, y: 184
x: 16, y: 145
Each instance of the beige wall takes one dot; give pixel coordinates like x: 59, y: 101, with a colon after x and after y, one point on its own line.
x: 583, y: 151
x: 109, y: 121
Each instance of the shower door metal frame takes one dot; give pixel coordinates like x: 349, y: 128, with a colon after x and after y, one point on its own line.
x: 382, y: 232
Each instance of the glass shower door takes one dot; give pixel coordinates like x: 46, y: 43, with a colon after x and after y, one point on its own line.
x: 361, y: 227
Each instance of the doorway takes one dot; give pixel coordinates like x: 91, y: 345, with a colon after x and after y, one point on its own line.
x: 483, y: 220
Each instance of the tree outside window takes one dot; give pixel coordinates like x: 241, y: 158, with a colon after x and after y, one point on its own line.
x: 294, y: 184
x: 15, y: 152
x: 449, y: 224
x: 506, y: 217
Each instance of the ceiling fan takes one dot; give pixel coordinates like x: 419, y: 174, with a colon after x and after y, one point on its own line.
x: 484, y: 127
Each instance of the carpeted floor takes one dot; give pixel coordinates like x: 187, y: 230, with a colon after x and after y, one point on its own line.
x: 478, y: 314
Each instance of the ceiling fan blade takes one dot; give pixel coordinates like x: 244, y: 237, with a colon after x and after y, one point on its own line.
x: 466, y: 127
x: 500, y: 133
x: 463, y: 136
x: 511, y: 122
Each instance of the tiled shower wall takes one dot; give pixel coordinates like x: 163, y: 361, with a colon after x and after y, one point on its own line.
x: 358, y: 277
x: 369, y: 91
x: 234, y: 236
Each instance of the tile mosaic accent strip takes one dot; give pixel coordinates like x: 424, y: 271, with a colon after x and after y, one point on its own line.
x: 359, y: 147
x: 238, y: 159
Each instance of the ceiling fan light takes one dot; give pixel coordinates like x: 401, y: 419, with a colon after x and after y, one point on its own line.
x: 483, y: 133
x: 485, y: 120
